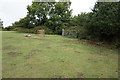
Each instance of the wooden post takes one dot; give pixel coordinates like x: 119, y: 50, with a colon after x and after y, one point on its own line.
x: 63, y: 32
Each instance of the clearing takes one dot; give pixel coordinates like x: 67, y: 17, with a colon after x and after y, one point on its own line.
x: 54, y: 56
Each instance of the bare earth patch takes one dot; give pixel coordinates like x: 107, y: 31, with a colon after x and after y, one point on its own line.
x: 9, y: 37
x: 38, y: 39
x: 77, y: 52
x: 80, y: 75
x: 98, y: 52
x: 65, y: 45
x: 32, y: 53
x: 92, y: 60
x: 48, y: 47
x: 14, y: 53
x: 8, y: 48
x: 13, y: 64
x: 41, y: 44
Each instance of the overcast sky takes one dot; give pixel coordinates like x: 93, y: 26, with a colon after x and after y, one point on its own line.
x: 13, y: 10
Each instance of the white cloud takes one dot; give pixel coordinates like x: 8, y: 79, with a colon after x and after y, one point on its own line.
x: 13, y: 10
x: 79, y: 6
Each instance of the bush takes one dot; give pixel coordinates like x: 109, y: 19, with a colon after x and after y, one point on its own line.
x: 34, y: 30
x: 82, y: 34
x: 16, y: 29
x: 24, y: 30
x: 47, y: 30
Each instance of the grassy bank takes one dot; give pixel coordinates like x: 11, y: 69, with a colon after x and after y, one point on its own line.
x: 54, y: 56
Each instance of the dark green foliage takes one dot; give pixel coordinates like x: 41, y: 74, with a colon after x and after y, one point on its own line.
x: 79, y: 20
x: 59, y: 17
x: 34, y: 30
x: 38, y: 12
x: 47, y: 30
x: 9, y: 28
x: 78, y: 23
x: 102, y: 23
x: 25, y: 30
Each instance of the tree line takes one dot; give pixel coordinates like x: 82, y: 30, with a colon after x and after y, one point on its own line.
x: 52, y: 16
x: 101, y: 24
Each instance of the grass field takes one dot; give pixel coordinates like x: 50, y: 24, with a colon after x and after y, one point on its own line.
x: 54, y: 56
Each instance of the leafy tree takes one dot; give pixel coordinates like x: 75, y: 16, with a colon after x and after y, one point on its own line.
x: 102, y: 23
x: 60, y: 16
x: 79, y: 20
x: 54, y: 15
x: 38, y: 12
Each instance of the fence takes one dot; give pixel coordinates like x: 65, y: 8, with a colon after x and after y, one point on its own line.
x: 70, y: 33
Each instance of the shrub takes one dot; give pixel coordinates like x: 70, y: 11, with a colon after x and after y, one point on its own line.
x: 47, y: 30
x: 16, y: 29
x: 34, y: 30
x: 24, y: 30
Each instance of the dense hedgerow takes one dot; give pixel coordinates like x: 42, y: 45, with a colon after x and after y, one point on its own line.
x: 34, y: 30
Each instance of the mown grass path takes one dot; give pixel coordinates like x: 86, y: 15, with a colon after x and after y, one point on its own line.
x: 54, y: 56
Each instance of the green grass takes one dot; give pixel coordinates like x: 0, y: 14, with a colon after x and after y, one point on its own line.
x: 57, y: 57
